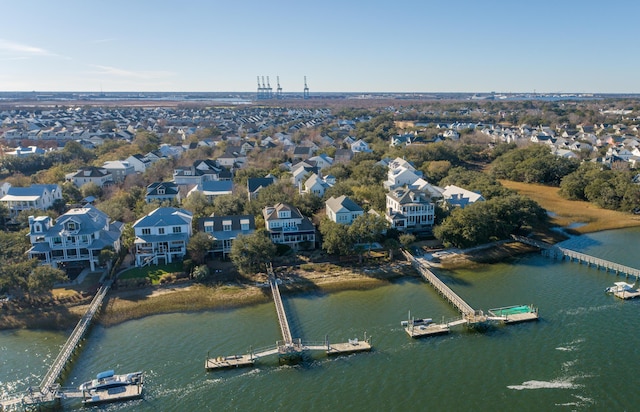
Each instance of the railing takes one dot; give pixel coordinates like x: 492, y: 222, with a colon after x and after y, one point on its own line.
x: 444, y: 290
x: 282, y: 316
x: 68, y: 348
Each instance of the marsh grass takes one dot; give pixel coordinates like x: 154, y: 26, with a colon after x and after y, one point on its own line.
x: 578, y: 216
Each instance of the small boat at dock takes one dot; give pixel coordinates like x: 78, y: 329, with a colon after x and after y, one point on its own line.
x: 108, y: 379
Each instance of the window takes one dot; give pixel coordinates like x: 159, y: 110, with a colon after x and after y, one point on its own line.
x: 177, y: 229
x: 57, y: 240
x: 244, y: 224
x: 161, y: 190
x: 208, y: 227
x: 146, y: 231
x: 161, y: 231
x: 226, y: 225
x: 71, y: 226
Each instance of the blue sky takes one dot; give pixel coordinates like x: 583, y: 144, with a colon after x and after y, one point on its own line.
x: 341, y: 46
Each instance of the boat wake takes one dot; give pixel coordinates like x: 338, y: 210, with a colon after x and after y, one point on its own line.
x: 554, y: 384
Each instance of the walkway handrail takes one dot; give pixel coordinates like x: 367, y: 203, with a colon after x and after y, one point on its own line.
x: 441, y: 287
x: 67, y: 349
x: 282, y: 316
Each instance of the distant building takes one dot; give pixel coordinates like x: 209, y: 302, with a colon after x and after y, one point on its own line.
x: 255, y: 184
x: 90, y: 174
x: 162, y: 191
x: 119, y: 170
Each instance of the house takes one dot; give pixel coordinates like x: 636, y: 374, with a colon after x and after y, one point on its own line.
x: 401, y: 173
x: 200, y: 171
x: 409, y: 210
x: 119, y: 169
x: 300, y: 171
x: 342, y: 210
x: 286, y: 225
x: 255, y: 184
x: 212, y: 188
x: 322, y: 161
x: 458, y: 197
x: 40, y: 197
x: 75, y: 239
x: 162, y: 236
x: 90, y: 174
x: 162, y: 191
x: 232, y: 157
x: 360, y: 146
x: 225, y: 229
x: 343, y: 156
x: 315, y: 185
x: 26, y: 151
x: 302, y: 152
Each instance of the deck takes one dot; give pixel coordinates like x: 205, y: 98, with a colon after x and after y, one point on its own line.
x: 118, y: 394
x: 432, y: 329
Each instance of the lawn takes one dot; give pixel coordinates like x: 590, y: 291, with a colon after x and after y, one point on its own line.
x: 152, y: 272
x: 581, y: 217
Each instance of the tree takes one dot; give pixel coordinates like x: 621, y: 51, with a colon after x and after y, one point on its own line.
x: 229, y: 205
x: 106, y: 255
x: 391, y: 245
x: 198, y: 204
x: 146, y: 141
x: 406, y: 239
x: 201, y: 273
x: 91, y: 189
x: 42, y: 278
x: 251, y: 252
x: 335, y: 237
x: 199, y: 246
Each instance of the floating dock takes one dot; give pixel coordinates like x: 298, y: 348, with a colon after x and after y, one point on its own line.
x: 514, y: 314
x: 623, y: 290
x: 228, y: 362
x: 118, y: 394
x: 470, y: 316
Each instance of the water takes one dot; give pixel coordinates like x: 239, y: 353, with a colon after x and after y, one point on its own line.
x: 581, y: 355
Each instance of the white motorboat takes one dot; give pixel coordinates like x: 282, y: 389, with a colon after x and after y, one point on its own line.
x: 108, y: 379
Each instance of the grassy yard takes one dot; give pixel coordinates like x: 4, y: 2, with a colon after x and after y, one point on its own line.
x: 152, y: 272
x: 581, y: 217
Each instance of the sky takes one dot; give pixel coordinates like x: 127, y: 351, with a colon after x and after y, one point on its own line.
x: 559, y: 46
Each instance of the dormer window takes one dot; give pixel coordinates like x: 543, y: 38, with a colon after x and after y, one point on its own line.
x: 72, y: 226
x: 161, y: 190
x: 37, y: 228
x: 284, y: 214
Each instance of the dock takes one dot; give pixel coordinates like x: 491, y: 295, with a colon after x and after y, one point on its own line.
x: 48, y: 391
x: 557, y: 252
x: 122, y: 393
x: 470, y: 316
x: 288, y: 348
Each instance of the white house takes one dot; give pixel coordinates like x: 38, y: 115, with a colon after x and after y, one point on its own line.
x: 212, y: 188
x: 162, y: 236
x: 315, y: 185
x: 409, y: 210
x: 342, y: 210
x: 286, y: 225
x: 39, y: 197
x: 75, y: 239
x: 459, y: 197
x: 322, y: 161
x: 90, y: 174
x: 119, y: 169
x: 360, y: 146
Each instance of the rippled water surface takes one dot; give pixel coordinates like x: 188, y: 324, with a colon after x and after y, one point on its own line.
x: 581, y: 355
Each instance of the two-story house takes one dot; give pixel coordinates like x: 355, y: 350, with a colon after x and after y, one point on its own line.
x: 162, y: 236
x: 315, y: 185
x: 162, y: 191
x: 458, y: 197
x: 286, y: 225
x: 225, y: 229
x: 119, y: 169
x: 409, y: 210
x: 74, y: 239
x: 342, y: 210
x: 201, y: 171
x: 39, y: 197
x: 90, y: 174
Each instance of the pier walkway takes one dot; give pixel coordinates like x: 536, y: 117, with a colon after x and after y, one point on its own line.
x: 48, y: 390
x: 424, y: 327
x: 468, y: 313
x: 288, y: 347
x: 558, y: 252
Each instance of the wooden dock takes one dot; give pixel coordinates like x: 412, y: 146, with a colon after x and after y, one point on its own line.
x: 432, y: 329
x: 558, y: 252
x: 48, y: 391
x: 118, y: 394
x: 514, y: 314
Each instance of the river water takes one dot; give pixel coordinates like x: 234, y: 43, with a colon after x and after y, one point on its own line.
x: 581, y: 355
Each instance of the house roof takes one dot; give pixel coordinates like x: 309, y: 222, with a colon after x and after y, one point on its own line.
x: 255, y: 183
x: 218, y: 222
x: 407, y: 196
x: 342, y: 204
x: 170, y: 188
x: 271, y: 213
x: 33, y: 192
x: 165, y: 216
